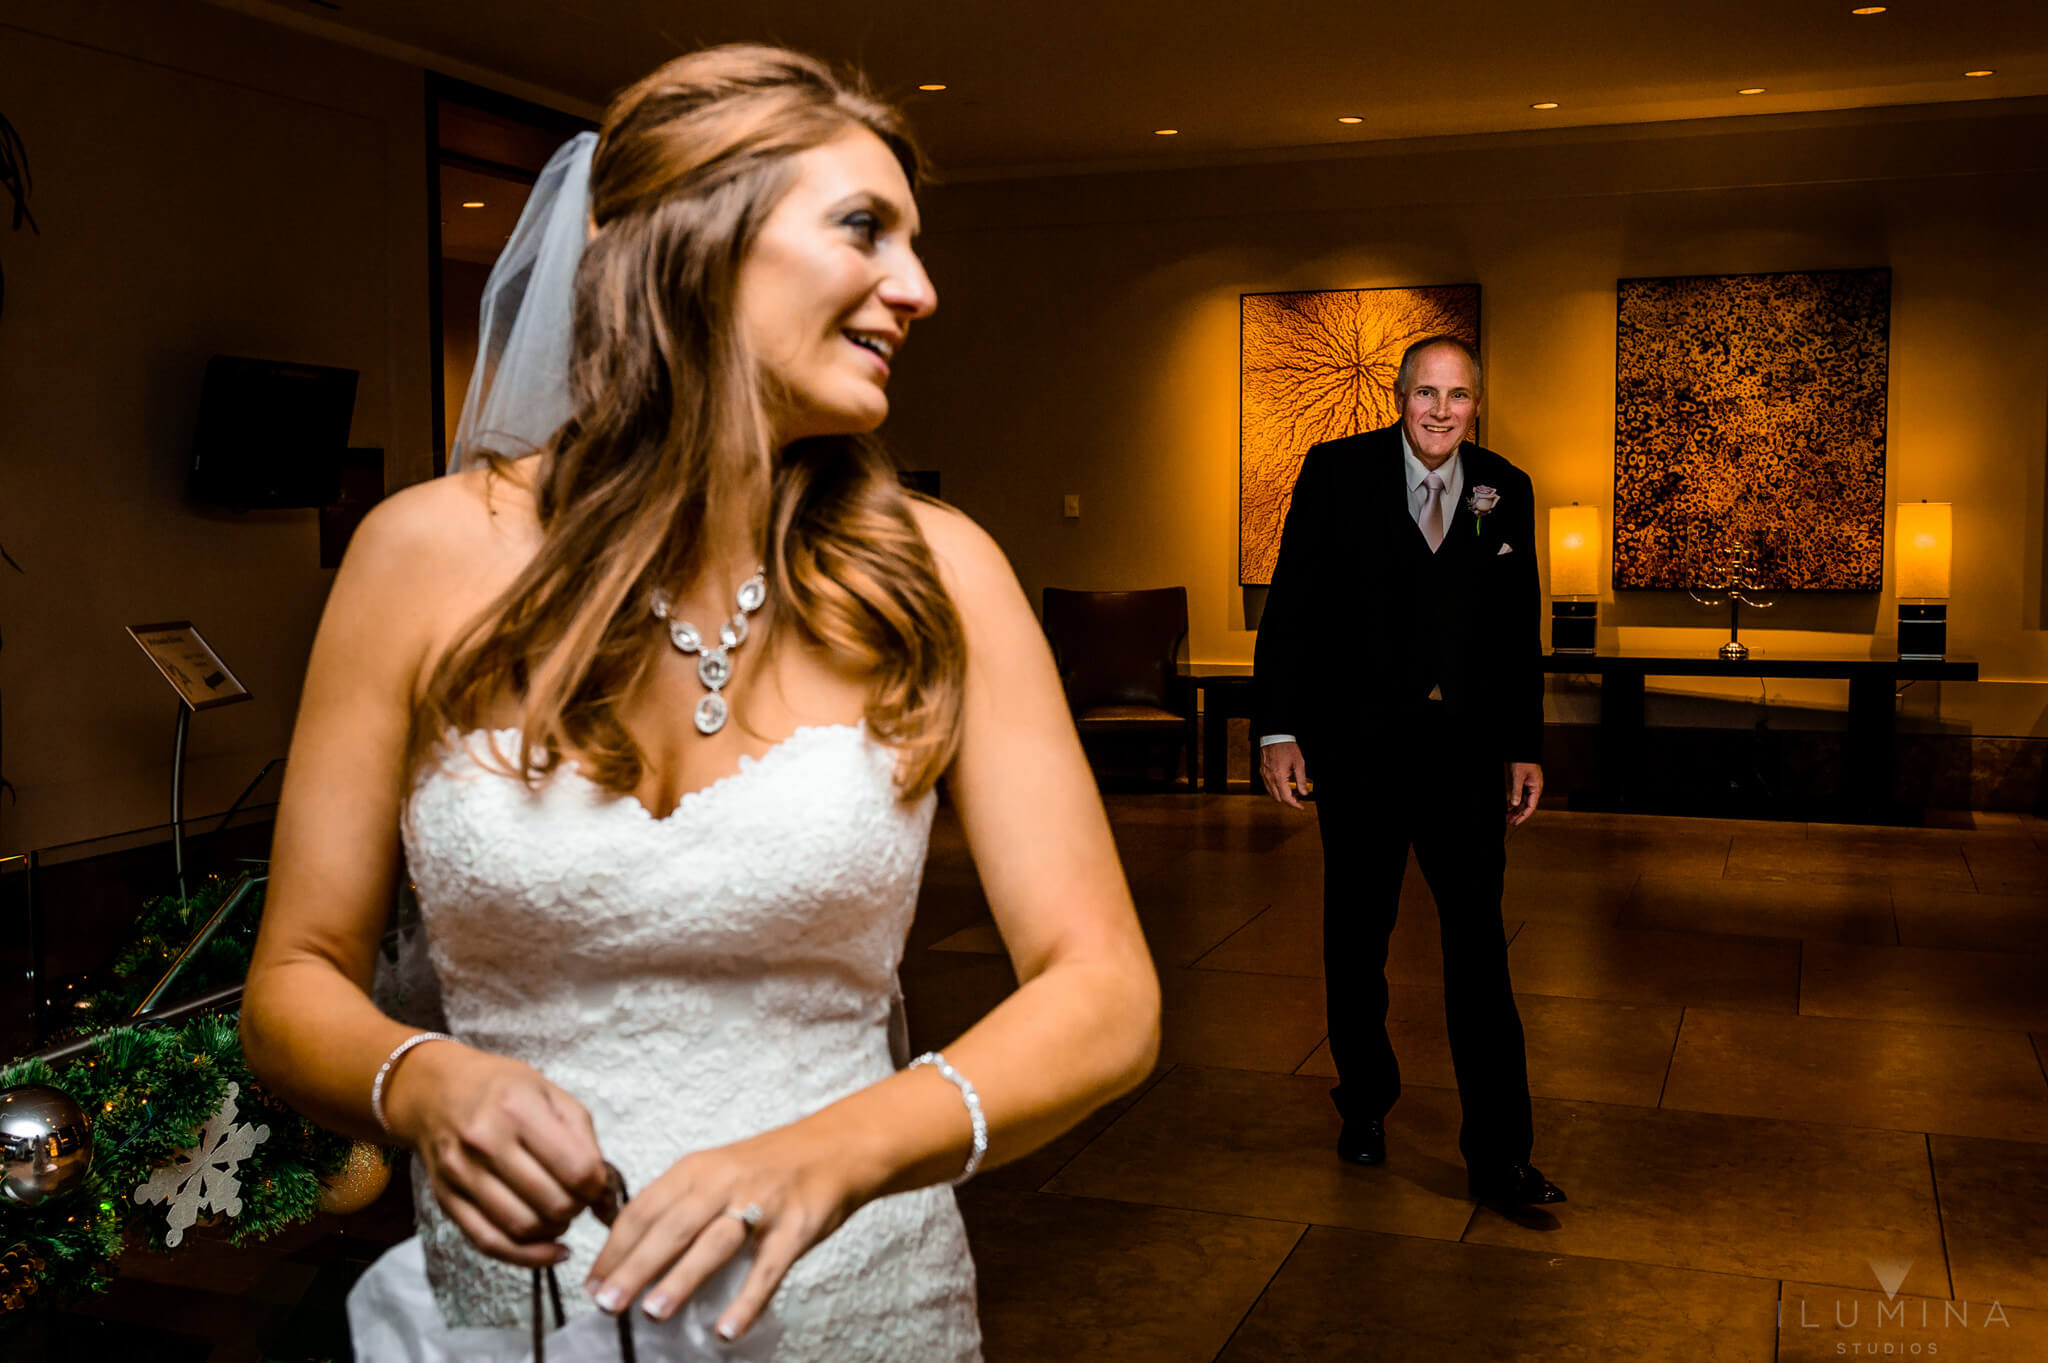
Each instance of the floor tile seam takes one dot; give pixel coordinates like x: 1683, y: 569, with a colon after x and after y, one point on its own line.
x: 1296, y: 1073
x: 1196, y: 964
x: 1671, y: 1060
x: 1633, y: 1109
x: 1211, y: 1211
x: 1622, y: 923
x: 1845, y: 1126
x: 1857, y: 1017
x: 1310, y: 1056
x: 1272, y: 1278
x: 1590, y: 1257
x: 1252, y: 974
x: 2023, y: 1030
x: 1940, y: 1221
x: 1653, y: 1003
x: 1137, y: 1097
x: 1637, y: 1110
x: 1618, y: 926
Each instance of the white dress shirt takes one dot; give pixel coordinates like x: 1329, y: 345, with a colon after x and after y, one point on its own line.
x: 1452, y: 471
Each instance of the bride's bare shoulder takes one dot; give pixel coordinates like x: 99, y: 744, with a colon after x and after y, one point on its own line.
x: 447, y: 542
x: 471, y: 517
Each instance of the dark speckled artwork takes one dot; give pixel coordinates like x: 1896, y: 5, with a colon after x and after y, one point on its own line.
x: 1750, y: 410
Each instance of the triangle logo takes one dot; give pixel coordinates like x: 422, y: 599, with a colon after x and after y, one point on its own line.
x: 1890, y: 1273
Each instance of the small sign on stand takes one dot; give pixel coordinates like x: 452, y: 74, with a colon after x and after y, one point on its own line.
x: 194, y: 671
x: 202, y: 682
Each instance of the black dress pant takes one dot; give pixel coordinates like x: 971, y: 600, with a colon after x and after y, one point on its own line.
x: 1424, y: 788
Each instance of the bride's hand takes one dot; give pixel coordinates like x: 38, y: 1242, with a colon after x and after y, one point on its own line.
x: 512, y: 1159
x: 680, y: 1229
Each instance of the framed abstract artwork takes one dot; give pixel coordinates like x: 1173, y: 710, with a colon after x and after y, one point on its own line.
x: 1750, y: 414
x: 1317, y: 366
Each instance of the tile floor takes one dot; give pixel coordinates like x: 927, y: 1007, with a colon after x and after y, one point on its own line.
x: 1792, y: 1077
x: 1771, y: 1062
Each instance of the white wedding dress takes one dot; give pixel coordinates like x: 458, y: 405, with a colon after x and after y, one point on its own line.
x: 692, y: 980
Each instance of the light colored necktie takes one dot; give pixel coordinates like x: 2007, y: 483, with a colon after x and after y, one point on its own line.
x: 1433, y: 511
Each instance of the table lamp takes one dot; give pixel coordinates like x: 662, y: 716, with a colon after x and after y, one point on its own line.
x: 1926, y: 545
x: 1574, y: 573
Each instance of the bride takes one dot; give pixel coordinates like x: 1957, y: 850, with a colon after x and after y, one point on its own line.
x: 658, y: 713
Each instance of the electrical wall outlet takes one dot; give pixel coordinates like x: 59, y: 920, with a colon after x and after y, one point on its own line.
x: 1070, y: 506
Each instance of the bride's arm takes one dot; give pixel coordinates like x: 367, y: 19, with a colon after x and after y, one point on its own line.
x: 502, y: 1146
x: 1082, y: 1027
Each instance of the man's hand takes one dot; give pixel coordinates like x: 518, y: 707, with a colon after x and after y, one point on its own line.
x: 1285, y: 774
x: 1525, y: 790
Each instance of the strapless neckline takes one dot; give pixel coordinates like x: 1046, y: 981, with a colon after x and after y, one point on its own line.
x: 800, y: 739
x: 692, y: 980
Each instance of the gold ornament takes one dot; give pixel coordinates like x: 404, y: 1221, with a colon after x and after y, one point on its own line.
x: 358, y: 1183
x: 20, y: 1277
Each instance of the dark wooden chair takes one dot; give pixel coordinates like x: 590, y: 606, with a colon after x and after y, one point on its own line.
x: 1118, y: 655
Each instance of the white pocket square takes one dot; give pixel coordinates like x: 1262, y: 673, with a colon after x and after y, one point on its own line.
x: 1505, y: 549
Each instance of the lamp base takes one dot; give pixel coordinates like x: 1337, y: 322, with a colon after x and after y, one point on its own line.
x: 1923, y: 633
x: 1574, y: 626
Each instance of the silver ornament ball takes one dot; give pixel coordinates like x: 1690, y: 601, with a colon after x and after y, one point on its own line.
x: 45, y: 1144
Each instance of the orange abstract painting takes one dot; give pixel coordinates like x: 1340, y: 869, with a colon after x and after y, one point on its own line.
x: 1317, y: 366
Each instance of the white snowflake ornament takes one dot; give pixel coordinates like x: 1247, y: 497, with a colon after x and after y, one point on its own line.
x: 204, y: 1178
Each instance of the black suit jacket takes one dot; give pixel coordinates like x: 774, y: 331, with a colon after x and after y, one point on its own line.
x: 1356, y: 596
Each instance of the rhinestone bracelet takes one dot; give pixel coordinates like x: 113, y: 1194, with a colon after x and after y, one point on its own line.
x: 974, y: 1113
x: 384, y: 1073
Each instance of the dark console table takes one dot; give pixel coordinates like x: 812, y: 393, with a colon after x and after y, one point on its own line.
x: 1873, y: 686
x: 1226, y: 692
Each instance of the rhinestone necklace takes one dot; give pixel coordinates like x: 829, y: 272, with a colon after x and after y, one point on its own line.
x: 714, y: 665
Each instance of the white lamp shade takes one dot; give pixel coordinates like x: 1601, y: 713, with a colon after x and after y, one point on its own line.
x: 1926, y: 544
x: 1574, y: 551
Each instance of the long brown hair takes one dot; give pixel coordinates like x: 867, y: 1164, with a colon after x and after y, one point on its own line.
x: 668, y: 440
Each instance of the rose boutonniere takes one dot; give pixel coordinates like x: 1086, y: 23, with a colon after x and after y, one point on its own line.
x: 1480, y: 503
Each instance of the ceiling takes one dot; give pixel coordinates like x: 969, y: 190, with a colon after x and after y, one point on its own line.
x: 1083, y: 83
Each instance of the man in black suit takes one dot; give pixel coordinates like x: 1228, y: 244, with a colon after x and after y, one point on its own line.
x: 1399, y: 664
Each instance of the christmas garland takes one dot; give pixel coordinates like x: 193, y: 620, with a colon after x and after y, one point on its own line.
x: 176, y: 1124
x: 162, y: 929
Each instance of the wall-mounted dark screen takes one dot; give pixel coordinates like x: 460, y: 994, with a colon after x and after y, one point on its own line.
x: 271, y: 434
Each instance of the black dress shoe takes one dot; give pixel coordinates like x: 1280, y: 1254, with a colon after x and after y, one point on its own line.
x: 1363, y: 1143
x: 1514, y: 1185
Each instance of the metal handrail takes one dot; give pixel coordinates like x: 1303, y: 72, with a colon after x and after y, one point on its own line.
x: 243, y: 889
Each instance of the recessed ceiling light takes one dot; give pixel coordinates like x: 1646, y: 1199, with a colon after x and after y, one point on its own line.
x: 1752, y: 90
x: 931, y: 87
x: 1166, y: 132
x: 1980, y: 73
x: 474, y: 203
x: 1547, y: 104
x: 1349, y: 118
x: 1869, y: 9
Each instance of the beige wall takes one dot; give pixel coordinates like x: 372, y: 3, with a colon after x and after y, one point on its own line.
x: 206, y: 183
x: 1087, y: 342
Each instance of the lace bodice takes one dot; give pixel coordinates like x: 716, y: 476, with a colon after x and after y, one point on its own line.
x: 693, y: 980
